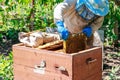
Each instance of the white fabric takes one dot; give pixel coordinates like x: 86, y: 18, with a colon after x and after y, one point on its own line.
x: 67, y: 13
x: 36, y: 39
x: 97, y: 41
x: 59, y: 9
x: 74, y: 23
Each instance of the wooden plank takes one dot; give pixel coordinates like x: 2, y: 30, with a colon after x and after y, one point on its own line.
x: 96, y: 76
x: 27, y: 73
x: 31, y: 57
x: 52, y: 45
x: 87, y: 64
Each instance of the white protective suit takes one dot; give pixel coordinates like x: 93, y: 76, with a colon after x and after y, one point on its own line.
x: 66, y: 12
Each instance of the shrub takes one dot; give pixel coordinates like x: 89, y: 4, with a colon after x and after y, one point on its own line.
x: 6, y: 67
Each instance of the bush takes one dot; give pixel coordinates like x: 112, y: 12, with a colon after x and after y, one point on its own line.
x: 111, y: 23
x: 6, y: 67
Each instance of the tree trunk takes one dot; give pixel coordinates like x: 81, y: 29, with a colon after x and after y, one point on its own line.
x: 32, y: 15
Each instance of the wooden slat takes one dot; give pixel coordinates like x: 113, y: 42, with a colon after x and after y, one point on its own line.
x: 52, y: 45
x: 31, y: 57
x: 96, y: 76
x: 82, y: 69
x: 26, y: 73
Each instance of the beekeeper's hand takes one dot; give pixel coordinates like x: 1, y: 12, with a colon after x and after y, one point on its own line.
x: 64, y: 33
x: 87, y: 31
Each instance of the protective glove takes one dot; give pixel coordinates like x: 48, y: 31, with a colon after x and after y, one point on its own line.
x: 64, y: 33
x: 87, y: 31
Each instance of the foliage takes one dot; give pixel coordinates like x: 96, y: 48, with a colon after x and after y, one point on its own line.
x: 6, y: 68
x: 113, y: 73
x: 111, y: 22
x: 16, y: 16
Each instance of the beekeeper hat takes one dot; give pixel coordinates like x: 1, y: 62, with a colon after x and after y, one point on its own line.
x: 98, y: 7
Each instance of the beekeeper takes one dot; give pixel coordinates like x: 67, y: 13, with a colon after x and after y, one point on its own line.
x: 80, y: 16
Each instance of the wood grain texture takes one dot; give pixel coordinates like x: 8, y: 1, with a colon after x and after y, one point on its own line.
x: 29, y: 57
x: 83, y: 65
x: 82, y: 69
x: 27, y: 73
x: 52, y: 45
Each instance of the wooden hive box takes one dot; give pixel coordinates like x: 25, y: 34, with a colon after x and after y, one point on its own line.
x: 36, y: 64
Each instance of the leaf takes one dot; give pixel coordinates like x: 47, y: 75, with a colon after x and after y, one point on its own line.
x: 1, y: 36
x: 25, y: 1
x: 6, y: 2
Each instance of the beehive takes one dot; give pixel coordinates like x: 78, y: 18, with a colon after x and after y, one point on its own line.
x: 38, y: 64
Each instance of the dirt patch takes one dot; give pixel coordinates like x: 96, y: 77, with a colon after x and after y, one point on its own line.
x: 6, y: 46
x: 111, y: 60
